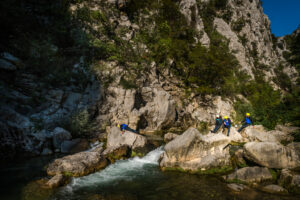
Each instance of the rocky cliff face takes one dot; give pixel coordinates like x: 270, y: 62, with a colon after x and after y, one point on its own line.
x: 134, y: 67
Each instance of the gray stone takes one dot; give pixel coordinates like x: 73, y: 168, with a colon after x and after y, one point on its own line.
x: 56, y: 181
x: 256, y: 134
x: 273, y: 155
x: 193, y: 151
x: 79, y: 164
x: 250, y: 175
x: 274, y: 189
x: 237, y: 187
x: 116, y: 139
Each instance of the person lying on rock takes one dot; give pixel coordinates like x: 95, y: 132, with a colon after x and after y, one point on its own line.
x: 226, y: 124
x: 218, y: 123
x: 125, y: 127
x: 247, y: 122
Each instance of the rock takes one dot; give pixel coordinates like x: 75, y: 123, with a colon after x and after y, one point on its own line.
x: 117, y: 153
x: 7, y: 65
x: 289, y: 179
x: 60, y: 135
x: 287, y: 129
x: 169, y: 136
x: 273, y: 155
x: 193, y: 151
x: 239, y: 157
x: 46, y: 152
x: 56, y: 181
x: 250, y: 175
x: 256, y: 134
x: 281, y: 136
x: 161, y: 112
x: 274, y: 189
x: 235, y: 136
x: 74, y: 146
x: 116, y: 139
x: 237, y: 187
x: 79, y: 164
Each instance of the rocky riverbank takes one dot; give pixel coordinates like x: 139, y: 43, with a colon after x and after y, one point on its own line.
x: 245, y: 160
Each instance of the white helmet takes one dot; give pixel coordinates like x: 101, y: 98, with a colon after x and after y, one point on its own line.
x: 217, y: 116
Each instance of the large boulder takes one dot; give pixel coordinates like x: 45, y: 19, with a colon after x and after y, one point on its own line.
x: 250, y: 175
x: 79, y: 164
x: 116, y: 139
x: 273, y: 155
x: 192, y: 151
x: 258, y: 134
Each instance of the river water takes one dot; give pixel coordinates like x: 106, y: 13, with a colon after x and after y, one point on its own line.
x: 132, y: 179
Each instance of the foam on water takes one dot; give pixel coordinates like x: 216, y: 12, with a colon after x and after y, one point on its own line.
x: 121, y: 170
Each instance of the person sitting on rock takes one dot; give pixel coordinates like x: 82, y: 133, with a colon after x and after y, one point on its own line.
x: 247, y: 122
x: 218, y: 123
x: 125, y: 127
x: 226, y: 124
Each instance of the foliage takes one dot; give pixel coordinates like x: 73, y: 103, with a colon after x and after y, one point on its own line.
x: 127, y: 84
x: 282, y: 79
x: 264, y: 103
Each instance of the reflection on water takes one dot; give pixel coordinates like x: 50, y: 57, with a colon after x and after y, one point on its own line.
x: 133, y: 179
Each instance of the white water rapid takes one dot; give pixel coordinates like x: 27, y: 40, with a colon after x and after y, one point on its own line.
x: 122, y: 170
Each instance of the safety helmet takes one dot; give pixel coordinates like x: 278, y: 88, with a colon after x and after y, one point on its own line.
x: 247, y: 114
x: 225, y: 117
x: 118, y: 125
x: 217, y: 116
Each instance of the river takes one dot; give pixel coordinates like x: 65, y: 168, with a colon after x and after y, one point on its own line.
x: 132, y: 179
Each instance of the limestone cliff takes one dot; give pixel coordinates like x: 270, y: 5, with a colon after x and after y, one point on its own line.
x: 100, y: 63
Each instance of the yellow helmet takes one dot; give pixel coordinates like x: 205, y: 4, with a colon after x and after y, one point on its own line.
x: 248, y: 114
x: 118, y: 125
x: 225, y: 117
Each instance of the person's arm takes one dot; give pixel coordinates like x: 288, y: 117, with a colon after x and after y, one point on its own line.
x: 243, y: 121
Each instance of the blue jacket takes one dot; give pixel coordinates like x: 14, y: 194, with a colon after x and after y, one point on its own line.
x: 123, y: 127
x: 248, y: 120
x: 227, y: 122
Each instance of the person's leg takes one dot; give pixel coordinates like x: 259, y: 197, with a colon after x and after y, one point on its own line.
x: 228, y: 130
x: 130, y: 129
x: 243, y: 126
x: 217, y: 128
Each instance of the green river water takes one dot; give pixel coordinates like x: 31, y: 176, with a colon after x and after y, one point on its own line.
x: 132, y: 179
